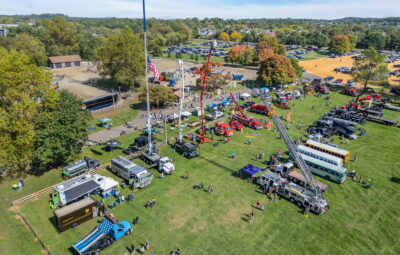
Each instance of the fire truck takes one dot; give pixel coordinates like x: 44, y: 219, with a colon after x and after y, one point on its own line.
x: 259, y: 108
x: 243, y: 118
x: 236, y: 125
x: 350, y: 91
x: 223, y: 128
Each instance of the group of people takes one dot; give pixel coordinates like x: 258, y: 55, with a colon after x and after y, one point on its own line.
x: 19, y: 185
x: 143, y: 247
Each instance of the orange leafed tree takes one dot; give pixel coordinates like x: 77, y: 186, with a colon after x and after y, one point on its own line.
x: 241, y: 54
x: 265, y: 53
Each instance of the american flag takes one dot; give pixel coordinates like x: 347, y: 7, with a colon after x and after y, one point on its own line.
x: 153, y: 68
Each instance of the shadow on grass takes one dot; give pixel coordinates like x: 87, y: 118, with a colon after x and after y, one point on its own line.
x: 96, y: 152
x: 395, y: 180
x: 229, y: 170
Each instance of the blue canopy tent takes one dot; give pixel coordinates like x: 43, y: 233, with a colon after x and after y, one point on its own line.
x: 249, y: 171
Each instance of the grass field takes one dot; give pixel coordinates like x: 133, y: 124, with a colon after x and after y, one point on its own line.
x: 359, y: 221
x: 312, y: 55
x: 119, y: 115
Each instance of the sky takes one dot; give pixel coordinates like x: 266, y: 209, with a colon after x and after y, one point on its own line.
x: 235, y: 9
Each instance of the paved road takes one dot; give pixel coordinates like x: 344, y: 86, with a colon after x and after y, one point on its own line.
x: 140, y: 121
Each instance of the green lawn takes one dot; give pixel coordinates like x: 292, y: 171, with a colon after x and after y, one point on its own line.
x: 119, y: 115
x: 312, y: 55
x: 359, y: 221
x: 201, y: 59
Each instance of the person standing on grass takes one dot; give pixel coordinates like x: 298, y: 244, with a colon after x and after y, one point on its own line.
x: 132, y: 249
x: 186, y: 175
x: 142, y: 249
x: 233, y: 155
x: 249, y: 141
x: 147, y: 245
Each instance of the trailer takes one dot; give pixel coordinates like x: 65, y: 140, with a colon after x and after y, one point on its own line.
x: 81, y: 187
x: 381, y: 120
x: 76, y: 213
x: 102, y: 236
x: 80, y: 167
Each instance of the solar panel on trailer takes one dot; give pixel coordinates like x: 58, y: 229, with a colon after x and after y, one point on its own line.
x: 78, y: 191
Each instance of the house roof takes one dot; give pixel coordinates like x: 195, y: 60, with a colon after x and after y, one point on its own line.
x: 62, y: 59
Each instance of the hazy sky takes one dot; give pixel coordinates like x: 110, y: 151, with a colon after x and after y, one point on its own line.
x: 325, y: 9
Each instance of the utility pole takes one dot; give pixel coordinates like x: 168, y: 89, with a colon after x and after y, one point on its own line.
x: 165, y: 130
x: 151, y: 149
x: 181, y: 101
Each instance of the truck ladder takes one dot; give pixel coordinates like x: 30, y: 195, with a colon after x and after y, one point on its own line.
x: 294, y: 151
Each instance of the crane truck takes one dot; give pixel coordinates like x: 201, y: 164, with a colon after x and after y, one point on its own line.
x: 243, y: 118
x: 309, y: 196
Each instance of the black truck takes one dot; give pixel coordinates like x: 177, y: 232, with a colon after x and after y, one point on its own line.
x: 188, y: 150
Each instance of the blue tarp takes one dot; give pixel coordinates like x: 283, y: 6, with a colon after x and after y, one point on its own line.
x: 250, y: 170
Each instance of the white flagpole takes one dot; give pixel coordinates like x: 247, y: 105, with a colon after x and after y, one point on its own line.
x: 181, y: 100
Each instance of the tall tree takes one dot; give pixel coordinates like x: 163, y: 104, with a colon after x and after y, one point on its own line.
x: 61, y: 136
x: 25, y: 95
x: 297, y: 68
x: 236, y: 36
x: 340, y: 44
x: 241, y: 54
x: 264, y: 53
x: 276, y: 69
x: 31, y: 47
x: 121, y: 58
x: 60, y: 36
x: 159, y: 95
x: 272, y: 42
x: 371, y: 67
x: 224, y: 36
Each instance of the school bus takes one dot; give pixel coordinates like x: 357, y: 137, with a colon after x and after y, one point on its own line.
x: 343, y: 154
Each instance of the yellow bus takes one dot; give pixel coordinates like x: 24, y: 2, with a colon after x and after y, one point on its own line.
x: 343, y: 154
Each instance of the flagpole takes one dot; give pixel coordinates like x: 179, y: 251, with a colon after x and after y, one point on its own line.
x: 181, y: 101
x: 147, y: 80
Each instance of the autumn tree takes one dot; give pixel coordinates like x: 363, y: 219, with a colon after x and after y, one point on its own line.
x: 214, y: 80
x: 121, y: 58
x: 159, y: 95
x: 276, y: 69
x: 272, y: 42
x: 31, y: 47
x: 371, y: 67
x: 236, y: 36
x: 224, y: 36
x: 264, y: 53
x: 25, y: 95
x: 241, y: 54
x: 341, y: 44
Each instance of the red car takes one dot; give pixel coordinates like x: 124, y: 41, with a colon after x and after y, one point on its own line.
x: 339, y: 81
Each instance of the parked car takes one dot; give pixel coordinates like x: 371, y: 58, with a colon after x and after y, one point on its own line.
x: 339, y: 81
x: 194, y: 123
x: 329, y: 78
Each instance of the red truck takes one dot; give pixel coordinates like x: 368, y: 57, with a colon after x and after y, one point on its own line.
x: 282, y: 102
x: 323, y: 89
x: 223, y: 128
x: 350, y: 91
x: 374, y: 97
x: 247, y: 121
x: 259, y: 108
x: 236, y: 125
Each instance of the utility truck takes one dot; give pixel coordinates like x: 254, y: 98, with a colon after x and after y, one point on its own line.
x: 133, y: 174
x: 188, y: 149
x: 163, y: 164
x: 223, y: 128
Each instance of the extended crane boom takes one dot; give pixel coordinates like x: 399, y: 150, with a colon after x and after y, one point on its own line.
x: 294, y: 151
x: 237, y: 105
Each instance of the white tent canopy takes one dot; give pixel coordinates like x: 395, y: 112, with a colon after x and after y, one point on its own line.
x: 245, y: 95
x: 173, y: 116
x: 186, y: 114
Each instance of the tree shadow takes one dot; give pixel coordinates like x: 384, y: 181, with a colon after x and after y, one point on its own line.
x: 96, y: 152
x: 229, y: 170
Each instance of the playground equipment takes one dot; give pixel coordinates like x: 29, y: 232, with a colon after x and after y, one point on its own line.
x: 243, y: 118
x: 82, y: 186
x: 133, y: 174
x: 76, y: 213
x: 309, y: 197
x: 106, y: 233
x: 80, y: 167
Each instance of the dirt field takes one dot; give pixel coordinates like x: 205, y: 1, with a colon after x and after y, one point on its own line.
x: 73, y: 79
x: 324, y: 67
x: 172, y: 65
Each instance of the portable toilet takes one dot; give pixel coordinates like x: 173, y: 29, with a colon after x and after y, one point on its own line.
x: 172, y: 83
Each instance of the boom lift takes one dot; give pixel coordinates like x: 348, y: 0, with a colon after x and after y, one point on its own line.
x: 243, y: 118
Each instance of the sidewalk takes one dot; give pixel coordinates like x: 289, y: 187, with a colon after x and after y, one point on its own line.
x: 141, y: 123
